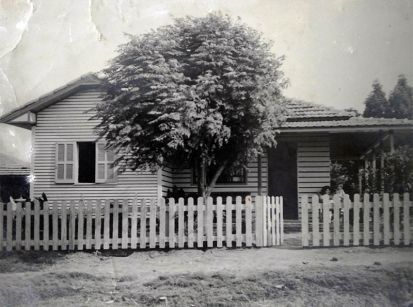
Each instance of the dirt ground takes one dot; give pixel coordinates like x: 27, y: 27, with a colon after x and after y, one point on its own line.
x: 287, y: 276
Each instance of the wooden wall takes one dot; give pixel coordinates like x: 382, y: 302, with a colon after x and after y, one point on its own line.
x: 68, y: 120
x: 313, y: 164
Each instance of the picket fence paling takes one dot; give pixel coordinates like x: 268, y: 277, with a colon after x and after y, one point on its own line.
x: 376, y: 220
x: 142, y: 223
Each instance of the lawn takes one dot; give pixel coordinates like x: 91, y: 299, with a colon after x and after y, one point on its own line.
x: 218, y: 277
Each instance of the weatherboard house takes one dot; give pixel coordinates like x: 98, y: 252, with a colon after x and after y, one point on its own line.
x: 69, y: 163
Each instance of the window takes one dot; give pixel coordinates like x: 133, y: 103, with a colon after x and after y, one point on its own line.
x: 84, y: 162
x: 65, y: 163
x: 237, y: 175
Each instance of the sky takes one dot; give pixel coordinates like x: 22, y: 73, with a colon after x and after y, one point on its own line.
x: 333, y: 49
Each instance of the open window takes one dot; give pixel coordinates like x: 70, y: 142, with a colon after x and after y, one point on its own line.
x: 84, y: 162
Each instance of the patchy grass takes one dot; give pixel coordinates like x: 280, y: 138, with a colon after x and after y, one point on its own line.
x: 359, y: 277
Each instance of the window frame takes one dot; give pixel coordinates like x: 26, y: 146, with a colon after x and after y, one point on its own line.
x: 245, y: 182
x: 75, y: 164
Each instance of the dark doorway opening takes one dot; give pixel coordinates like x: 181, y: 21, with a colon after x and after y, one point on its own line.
x: 282, y: 176
x: 87, y: 161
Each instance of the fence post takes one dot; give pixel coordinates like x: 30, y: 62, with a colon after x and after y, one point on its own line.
x: 304, y: 220
x: 406, y: 219
x: 259, y: 220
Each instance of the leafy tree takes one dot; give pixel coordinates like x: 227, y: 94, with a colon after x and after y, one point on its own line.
x: 401, y: 100
x: 398, y: 170
x: 202, y: 92
x: 376, y: 104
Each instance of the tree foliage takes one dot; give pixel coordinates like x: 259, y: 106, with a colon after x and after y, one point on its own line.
x: 401, y: 100
x: 202, y: 92
x: 376, y: 104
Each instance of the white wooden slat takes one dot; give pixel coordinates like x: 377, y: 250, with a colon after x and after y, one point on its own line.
x: 406, y: 219
x: 376, y: 219
x: 98, y: 225
x: 88, y: 242
x: 259, y: 221
x: 248, y: 221
x: 162, y: 222
x: 181, y: 225
x: 209, y: 222
x: 172, y: 211
x: 356, y: 220
x: 72, y: 226
x: 336, y: 220
x: 125, y: 224
x: 46, y: 214
x: 304, y: 221
x: 282, y: 219
x: 106, y: 226
x: 152, y: 223
x: 200, y: 222
x: 80, y: 226
x: 142, y: 240
x: 219, y: 221
x: 326, y: 220
x: 346, y: 220
x: 238, y: 221
x: 264, y: 221
x: 386, y: 219
x: 396, y: 216
x: 36, y: 225
x: 277, y: 220
x: 63, y: 225
x: 315, y: 204
x: 9, y: 227
x: 191, y: 237
x: 55, y: 225
x: 269, y: 232
x: 366, y: 219
x: 18, y: 228
x: 228, y: 221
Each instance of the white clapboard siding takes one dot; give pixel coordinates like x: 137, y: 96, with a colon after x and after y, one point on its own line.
x: 142, y: 223
x: 68, y: 120
x: 365, y: 220
x: 313, y: 165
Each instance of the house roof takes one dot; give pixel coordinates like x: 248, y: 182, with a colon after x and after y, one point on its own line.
x: 299, y: 110
x: 10, y: 166
x: 36, y: 105
x: 301, y: 115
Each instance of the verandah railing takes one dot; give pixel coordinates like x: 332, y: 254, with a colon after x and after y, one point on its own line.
x: 142, y: 223
x: 370, y: 220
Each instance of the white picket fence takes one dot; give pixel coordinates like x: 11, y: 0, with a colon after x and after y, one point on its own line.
x: 382, y: 220
x: 142, y: 223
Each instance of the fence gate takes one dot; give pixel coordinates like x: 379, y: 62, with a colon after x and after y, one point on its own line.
x: 370, y: 220
x: 142, y: 223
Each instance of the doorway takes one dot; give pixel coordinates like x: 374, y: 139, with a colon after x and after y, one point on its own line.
x: 282, y: 176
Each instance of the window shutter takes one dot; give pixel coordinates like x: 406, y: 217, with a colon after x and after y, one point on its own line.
x: 65, y: 161
x: 105, y: 172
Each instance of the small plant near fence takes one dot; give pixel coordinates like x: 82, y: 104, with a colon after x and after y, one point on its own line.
x: 367, y: 220
x: 142, y: 223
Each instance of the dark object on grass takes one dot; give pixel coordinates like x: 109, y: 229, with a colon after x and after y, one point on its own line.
x: 334, y: 259
x: 377, y: 263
